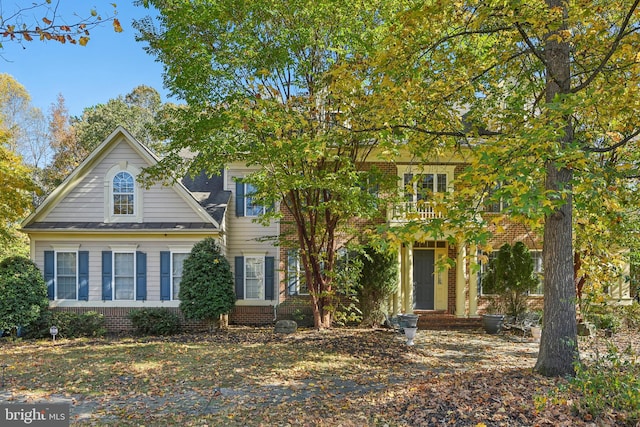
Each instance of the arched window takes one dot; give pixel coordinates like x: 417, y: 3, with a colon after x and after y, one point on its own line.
x: 123, y: 194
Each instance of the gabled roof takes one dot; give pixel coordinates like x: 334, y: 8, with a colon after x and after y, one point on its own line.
x: 209, y: 201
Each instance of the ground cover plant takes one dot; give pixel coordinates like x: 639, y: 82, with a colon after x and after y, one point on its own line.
x: 345, y: 376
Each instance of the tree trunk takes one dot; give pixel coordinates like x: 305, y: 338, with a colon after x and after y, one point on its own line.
x: 558, y: 344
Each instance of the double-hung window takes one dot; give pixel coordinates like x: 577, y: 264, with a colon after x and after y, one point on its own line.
x: 124, y: 275
x: 251, y: 207
x: 177, y: 264
x: 66, y: 275
x: 484, y: 268
x: 537, y: 270
x: 296, y: 279
x: 254, y: 277
x: 246, y: 204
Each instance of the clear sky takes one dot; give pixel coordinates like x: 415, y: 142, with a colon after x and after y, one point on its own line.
x: 111, y: 64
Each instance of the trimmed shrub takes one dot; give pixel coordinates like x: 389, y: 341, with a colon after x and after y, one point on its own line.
x: 155, y: 321
x: 23, y: 293
x: 207, y: 287
x: 70, y: 325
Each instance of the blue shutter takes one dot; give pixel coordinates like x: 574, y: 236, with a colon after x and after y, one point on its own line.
x: 239, y: 272
x: 107, y: 261
x: 165, y: 276
x: 239, y: 198
x: 49, y: 273
x: 141, y: 276
x: 83, y: 275
x: 269, y: 275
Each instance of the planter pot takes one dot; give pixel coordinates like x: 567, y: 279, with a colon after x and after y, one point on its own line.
x: 410, y: 333
x: 492, y: 323
x: 408, y: 320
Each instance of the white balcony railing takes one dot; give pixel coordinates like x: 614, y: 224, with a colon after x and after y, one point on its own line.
x: 420, y: 210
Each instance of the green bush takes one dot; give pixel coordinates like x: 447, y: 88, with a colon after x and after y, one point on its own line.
x: 69, y: 324
x: 155, y: 321
x: 23, y: 293
x: 379, y: 280
x: 611, y: 386
x: 630, y: 315
x: 510, y: 276
x: 342, y: 301
x: 207, y: 287
x: 607, y: 321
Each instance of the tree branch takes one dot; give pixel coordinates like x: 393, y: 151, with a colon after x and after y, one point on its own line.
x: 612, y: 50
x: 619, y: 144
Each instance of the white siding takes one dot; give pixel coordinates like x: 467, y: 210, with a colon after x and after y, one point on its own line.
x: 95, y: 247
x: 243, y: 234
x: 86, y: 202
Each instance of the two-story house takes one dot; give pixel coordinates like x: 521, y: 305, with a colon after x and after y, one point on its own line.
x: 107, y: 244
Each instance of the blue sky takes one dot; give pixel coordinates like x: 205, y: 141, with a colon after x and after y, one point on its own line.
x: 111, y: 64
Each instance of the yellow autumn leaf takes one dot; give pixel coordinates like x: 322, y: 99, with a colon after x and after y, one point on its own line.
x: 116, y: 26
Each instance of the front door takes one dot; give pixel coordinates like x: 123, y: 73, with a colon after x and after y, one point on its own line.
x: 423, y: 279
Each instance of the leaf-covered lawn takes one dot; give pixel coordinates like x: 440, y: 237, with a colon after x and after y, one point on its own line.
x: 251, y: 376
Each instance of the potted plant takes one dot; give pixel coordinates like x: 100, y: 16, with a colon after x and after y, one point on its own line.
x: 510, y: 277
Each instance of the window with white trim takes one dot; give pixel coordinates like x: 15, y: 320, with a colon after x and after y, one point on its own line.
x: 484, y: 266
x: 537, y: 270
x: 296, y: 279
x: 421, y: 186
x: 123, y: 194
x: 177, y: 264
x: 66, y: 275
x: 254, y: 277
x: 251, y: 207
x: 124, y: 275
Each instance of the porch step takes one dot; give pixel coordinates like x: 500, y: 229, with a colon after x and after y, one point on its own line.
x: 441, y: 320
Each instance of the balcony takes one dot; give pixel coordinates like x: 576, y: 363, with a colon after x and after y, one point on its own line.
x: 422, y: 210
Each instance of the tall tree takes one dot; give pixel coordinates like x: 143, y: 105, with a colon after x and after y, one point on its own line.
x: 136, y: 112
x: 25, y: 123
x: 255, y: 77
x: 541, y: 91
x: 17, y: 187
x: 67, y: 152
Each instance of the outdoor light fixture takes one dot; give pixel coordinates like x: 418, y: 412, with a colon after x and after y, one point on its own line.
x: 53, y: 331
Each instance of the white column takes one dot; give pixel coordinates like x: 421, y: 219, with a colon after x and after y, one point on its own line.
x: 407, y: 296
x: 473, y: 283
x: 460, y: 281
x: 395, y: 298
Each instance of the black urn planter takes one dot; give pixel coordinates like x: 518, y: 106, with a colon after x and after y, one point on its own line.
x: 492, y: 323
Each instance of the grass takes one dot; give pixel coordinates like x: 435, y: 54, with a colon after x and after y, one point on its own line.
x: 250, y: 376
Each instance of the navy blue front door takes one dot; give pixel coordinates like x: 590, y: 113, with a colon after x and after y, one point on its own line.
x: 423, y: 279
